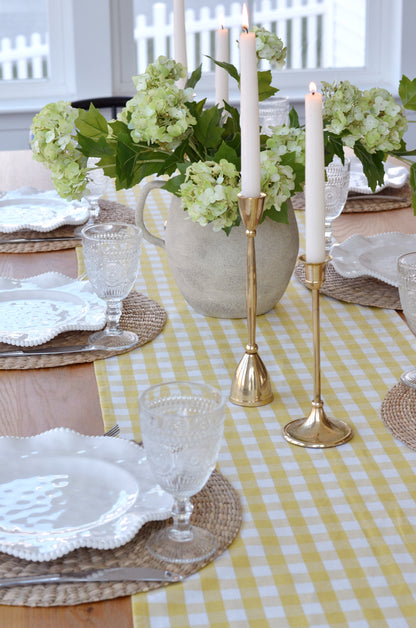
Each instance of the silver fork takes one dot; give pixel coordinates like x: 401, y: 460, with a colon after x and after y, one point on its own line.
x: 113, y: 431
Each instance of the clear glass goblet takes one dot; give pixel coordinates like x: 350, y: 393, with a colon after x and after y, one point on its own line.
x: 406, y: 266
x: 273, y: 112
x: 337, y: 180
x: 182, y: 427
x: 111, y: 255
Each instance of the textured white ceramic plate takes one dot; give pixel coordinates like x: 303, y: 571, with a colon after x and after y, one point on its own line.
x: 28, y: 208
x: 373, y: 256
x: 36, y: 309
x: 394, y: 177
x: 61, y: 490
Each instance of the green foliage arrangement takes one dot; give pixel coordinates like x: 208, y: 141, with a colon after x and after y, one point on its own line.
x: 164, y: 131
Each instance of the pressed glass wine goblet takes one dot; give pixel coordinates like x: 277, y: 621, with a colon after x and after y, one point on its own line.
x: 406, y: 266
x: 182, y: 426
x: 111, y: 255
x: 337, y: 179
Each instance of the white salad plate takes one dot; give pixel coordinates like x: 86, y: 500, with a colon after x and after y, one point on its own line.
x: 61, y: 490
x: 394, y: 177
x: 373, y: 256
x: 36, y: 309
x: 28, y: 208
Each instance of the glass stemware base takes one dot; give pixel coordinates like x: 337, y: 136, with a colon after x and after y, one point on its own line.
x: 121, y: 339
x: 181, y: 542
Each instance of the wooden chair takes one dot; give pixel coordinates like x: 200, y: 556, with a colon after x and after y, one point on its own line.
x: 108, y: 102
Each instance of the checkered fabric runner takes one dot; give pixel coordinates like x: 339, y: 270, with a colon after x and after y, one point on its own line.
x: 328, y: 536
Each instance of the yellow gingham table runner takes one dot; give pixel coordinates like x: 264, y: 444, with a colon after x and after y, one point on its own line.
x: 328, y: 536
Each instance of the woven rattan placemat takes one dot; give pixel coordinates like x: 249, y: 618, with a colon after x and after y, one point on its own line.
x: 361, y: 290
x: 110, y: 211
x: 365, y: 203
x: 398, y: 412
x: 140, y: 314
x: 216, y: 508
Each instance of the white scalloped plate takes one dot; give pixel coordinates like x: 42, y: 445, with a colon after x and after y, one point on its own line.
x: 36, y: 309
x: 372, y: 256
x: 28, y: 208
x: 61, y: 490
x: 394, y: 177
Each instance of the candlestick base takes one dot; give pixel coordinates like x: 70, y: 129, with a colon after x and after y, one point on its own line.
x: 251, y: 383
x: 317, y: 430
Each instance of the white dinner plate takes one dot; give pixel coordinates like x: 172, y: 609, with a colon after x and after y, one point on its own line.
x: 36, y: 309
x: 373, y: 256
x: 28, y: 208
x: 394, y: 177
x: 61, y: 490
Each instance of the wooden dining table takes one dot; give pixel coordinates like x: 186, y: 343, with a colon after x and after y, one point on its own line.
x: 35, y: 400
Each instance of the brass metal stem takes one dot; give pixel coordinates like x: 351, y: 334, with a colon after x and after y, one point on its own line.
x: 251, y: 384
x: 316, y: 430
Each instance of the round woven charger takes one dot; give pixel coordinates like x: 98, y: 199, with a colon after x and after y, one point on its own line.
x: 216, y: 508
x: 140, y: 314
x: 365, y: 203
x: 361, y: 290
x: 398, y: 412
x: 109, y: 211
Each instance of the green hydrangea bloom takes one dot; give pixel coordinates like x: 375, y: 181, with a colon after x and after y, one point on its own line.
x: 54, y: 144
x: 269, y: 46
x: 209, y: 193
x: 158, y: 114
x: 372, y: 116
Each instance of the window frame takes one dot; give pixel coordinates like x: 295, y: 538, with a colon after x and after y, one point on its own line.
x: 61, y: 66
x: 382, y: 66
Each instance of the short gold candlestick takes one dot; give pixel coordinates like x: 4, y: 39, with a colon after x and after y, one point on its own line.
x: 251, y: 383
x: 316, y: 430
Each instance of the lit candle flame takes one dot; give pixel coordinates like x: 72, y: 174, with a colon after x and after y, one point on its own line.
x: 221, y: 20
x: 312, y: 87
x: 244, y: 17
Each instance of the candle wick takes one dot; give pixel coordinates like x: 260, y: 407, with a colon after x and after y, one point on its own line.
x: 245, y: 29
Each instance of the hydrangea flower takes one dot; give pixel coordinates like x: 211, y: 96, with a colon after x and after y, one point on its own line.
x: 54, y: 143
x: 158, y: 114
x: 372, y: 116
x: 209, y: 193
x: 269, y: 46
x: 278, y: 178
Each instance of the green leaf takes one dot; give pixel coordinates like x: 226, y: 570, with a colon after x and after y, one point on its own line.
x: 333, y: 146
x: 91, y: 123
x: 407, y: 92
x: 195, y: 77
x: 372, y: 165
x: 265, y: 85
x: 225, y: 151
x: 294, y: 119
x: 173, y: 184
x: 278, y: 216
x: 208, y: 130
x: 231, y: 69
x: 94, y: 148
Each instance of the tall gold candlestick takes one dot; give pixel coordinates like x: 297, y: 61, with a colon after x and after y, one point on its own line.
x: 251, y: 383
x: 316, y: 430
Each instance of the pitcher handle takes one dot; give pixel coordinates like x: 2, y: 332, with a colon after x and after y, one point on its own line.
x: 141, y: 202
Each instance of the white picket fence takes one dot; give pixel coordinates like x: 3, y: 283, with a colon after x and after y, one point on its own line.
x: 25, y: 57
x: 304, y: 27
x: 312, y: 30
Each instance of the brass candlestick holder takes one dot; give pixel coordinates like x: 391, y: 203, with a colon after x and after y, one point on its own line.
x: 316, y: 430
x: 251, y: 383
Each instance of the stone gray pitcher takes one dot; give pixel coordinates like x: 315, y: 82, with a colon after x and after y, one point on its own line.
x: 210, y: 267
